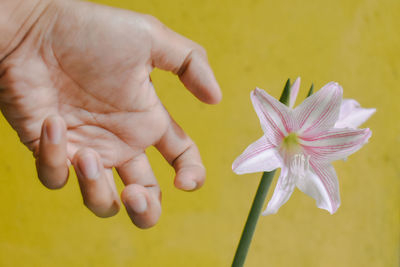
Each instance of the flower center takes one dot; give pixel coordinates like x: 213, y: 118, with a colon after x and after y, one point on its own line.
x: 296, y: 160
x: 291, y: 144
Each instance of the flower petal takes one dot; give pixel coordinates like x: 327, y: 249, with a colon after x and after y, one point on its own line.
x: 275, y: 118
x: 283, y: 190
x: 260, y: 156
x: 335, y: 144
x: 352, y: 115
x: 320, y: 111
x: 321, y: 183
x: 313, y: 186
x: 294, y: 92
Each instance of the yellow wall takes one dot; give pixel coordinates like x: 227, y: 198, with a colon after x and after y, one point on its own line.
x: 250, y: 43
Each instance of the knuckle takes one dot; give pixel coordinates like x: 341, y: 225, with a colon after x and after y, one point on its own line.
x: 150, y: 19
x: 150, y: 23
x: 201, y: 50
x: 197, y: 50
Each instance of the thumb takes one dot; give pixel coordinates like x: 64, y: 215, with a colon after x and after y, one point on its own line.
x: 185, y: 58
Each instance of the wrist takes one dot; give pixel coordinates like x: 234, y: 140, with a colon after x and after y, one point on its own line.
x: 17, y: 17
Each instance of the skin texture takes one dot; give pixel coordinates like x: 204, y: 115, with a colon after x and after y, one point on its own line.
x: 77, y: 89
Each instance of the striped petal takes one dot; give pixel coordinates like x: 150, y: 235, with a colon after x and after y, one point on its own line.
x: 335, y: 144
x: 294, y: 91
x: 324, y: 190
x: 283, y: 190
x: 275, y: 118
x: 322, y: 184
x: 352, y: 115
x: 260, y: 156
x: 320, y: 111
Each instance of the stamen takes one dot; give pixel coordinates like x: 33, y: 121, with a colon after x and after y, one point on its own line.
x: 299, y: 166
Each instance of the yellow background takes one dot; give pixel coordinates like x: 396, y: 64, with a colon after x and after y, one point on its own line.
x: 249, y: 43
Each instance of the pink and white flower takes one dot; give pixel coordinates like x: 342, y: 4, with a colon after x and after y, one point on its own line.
x: 303, y: 142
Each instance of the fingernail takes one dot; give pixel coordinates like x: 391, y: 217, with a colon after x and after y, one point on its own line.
x: 88, y: 166
x: 138, y: 203
x: 189, y: 184
x: 53, y: 131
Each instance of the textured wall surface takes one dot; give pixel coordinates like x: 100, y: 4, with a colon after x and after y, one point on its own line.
x: 249, y: 43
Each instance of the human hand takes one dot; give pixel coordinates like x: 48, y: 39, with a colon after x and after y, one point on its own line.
x: 77, y: 90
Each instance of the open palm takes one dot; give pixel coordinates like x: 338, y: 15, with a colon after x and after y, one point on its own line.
x: 77, y: 90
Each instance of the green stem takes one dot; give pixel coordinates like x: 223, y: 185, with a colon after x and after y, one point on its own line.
x: 249, y: 228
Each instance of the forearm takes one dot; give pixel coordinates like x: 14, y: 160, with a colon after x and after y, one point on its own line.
x: 16, y: 19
